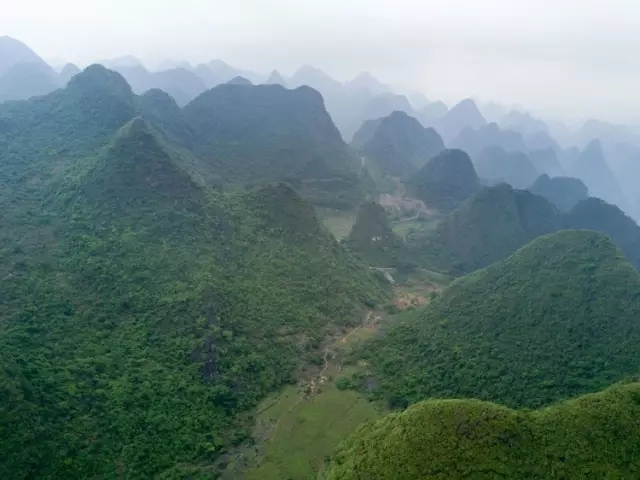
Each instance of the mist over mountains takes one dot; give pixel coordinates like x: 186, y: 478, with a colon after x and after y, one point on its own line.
x: 208, y: 272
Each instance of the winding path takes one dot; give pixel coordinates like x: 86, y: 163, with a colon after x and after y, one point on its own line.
x: 318, y: 379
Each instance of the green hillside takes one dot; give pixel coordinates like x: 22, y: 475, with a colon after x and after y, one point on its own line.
x: 144, y: 314
x: 485, y: 228
x: 445, y: 181
x: 233, y: 135
x: 248, y: 134
x: 373, y: 239
x: 593, y: 436
x: 556, y: 319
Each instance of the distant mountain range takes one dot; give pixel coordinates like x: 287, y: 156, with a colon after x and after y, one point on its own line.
x: 607, y: 157
x: 190, y: 255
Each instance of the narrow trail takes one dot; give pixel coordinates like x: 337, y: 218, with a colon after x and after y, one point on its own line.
x: 364, y: 324
x: 308, y: 392
x: 408, y: 219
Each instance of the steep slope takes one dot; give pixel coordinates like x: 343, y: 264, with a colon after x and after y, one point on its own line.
x: 495, y: 165
x: 400, y: 145
x: 385, y: 104
x: 473, y: 141
x: 431, y: 112
x: 485, y: 228
x: 556, y: 319
x: 182, y: 84
x: 373, y: 239
x: 157, y: 313
x: 165, y: 115
x: 138, y: 182
x: 314, y: 78
x: 27, y: 80
x: 239, y: 81
x: 13, y: 52
x: 275, y: 78
x: 68, y: 71
x: 523, y: 123
x: 462, y: 115
x: 266, y: 132
x: 602, y: 131
x: 546, y: 161
x: 353, y: 103
x: 364, y: 80
x: 445, y: 181
x: 542, y: 141
x: 593, y: 436
x: 627, y: 171
x: 41, y: 138
x: 364, y: 134
x: 563, y: 192
x: 598, y: 215
x: 591, y: 167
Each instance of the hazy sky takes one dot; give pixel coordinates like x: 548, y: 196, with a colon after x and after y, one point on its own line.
x: 577, y: 58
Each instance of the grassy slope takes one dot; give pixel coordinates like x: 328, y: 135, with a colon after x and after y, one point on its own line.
x: 594, y: 436
x: 556, y: 319
x: 308, y: 432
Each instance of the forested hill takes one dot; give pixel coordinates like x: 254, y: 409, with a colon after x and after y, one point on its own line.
x: 232, y: 135
x: 142, y: 311
x: 593, y: 436
x: 397, y: 144
x: 556, y: 319
x: 445, y: 181
x: 485, y: 228
x: 248, y: 134
x: 496, y: 221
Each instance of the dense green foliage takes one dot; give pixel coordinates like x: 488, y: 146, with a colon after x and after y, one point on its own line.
x: 495, y: 164
x: 593, y: 436
x: 445, y: 181
x: 487, y: 227
x: 251, y: 133
x: 400, y: 145
x: 563, y: 192
x: 557, y: 319
x: 373, y: 239
x: 596, y: 214
x: 235, y: 135
x: 142, y: 312
x: 498, y: 220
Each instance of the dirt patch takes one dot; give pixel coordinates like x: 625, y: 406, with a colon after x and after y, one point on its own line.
x: 401, y: 206
x: 403, y: 301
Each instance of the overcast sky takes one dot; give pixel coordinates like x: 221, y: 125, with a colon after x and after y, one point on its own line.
x: 575, y: 58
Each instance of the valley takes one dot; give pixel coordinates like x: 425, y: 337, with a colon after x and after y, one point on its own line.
x: 209, y: 272
x: 297, y: 429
